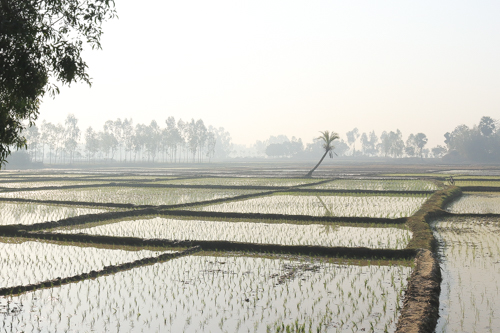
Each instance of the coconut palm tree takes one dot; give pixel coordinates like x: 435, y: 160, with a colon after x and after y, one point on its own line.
x: 328, y: 138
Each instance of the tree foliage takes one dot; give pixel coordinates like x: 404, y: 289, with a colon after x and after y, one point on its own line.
x: 41, y: 42
x: 481, y: 143
x: 327, y: 139
x: 120, y: 141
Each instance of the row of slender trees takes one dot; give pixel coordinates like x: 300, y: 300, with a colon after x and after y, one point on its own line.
x: 192, y: 141
x: 121, y: 140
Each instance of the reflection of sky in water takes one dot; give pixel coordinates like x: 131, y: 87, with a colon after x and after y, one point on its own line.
x: 378, y: 185
x: 137, y: 195
x: 28, y: 185
x: 203, y: 293
x: 275, y: 233
x: 29, y: 213
x: 470, y: 291
x: 476, y: 203
x: 32, y: 261
x: 242, y: 181
x: 361, y: 206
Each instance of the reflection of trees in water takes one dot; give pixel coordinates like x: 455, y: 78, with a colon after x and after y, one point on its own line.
x: 327, y: 211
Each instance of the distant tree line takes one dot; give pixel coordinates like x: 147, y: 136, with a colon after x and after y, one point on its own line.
x: 121, y: 140
x: 390, y: 144
x: 481, y: 143
x: 191, y: 141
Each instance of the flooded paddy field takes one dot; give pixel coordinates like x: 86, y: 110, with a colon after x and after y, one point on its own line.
x: 26, y: 262
x: 470, y: 262
x: 31, y: 213
x: 476, y: 203
x: 57, y: 183
x: 378, y: 185
x: 251, y: 232
x: 220, y: 294
x: 485, y: 183
x: 297, y: 290
x: 324, y: 205
x: 243, y: 181
x: 129, y: 195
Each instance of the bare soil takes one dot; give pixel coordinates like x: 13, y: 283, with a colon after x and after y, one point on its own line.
x: 421, y: 305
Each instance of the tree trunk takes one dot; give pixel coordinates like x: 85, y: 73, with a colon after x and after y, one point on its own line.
x: 309, y: 174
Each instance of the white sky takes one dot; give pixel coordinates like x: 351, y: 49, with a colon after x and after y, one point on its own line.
x: 260, y: 68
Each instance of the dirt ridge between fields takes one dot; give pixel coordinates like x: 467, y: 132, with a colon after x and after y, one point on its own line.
x: 420, y: 310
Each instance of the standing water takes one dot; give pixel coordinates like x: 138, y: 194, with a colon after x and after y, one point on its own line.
x: 469, y: 248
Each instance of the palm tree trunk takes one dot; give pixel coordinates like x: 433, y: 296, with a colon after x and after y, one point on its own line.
x: 309, y: 174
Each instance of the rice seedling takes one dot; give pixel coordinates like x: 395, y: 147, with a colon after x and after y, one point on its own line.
x: 324, y: 205
x: 251, y: 232
x: 31, y: 213
x: 242, y: 181
x: 476, y: 203
x: 207, y: 293
x: 484, y: 183
x: 33, y: 261
x: 378, y: 185
x: 133, y: 195
x: 470, y: 291
x: 52, y: 183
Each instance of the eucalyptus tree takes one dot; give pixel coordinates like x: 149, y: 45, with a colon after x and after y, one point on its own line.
x: 369, y: 143
x: 33, y: 138
x: 49, y: 137
x: 352, y: 136
x: 174, y: 138
x: 411, y: 146
x: 163, y: 146
x: 415, y: 144
x: 224, y: 144
x: 91, y: 143
x: 152, y: 140
x: 397, y: 143
x: 211, y: 142
x: 385, y: 144
x: 44, y: 138
x: 140, y: 137
x: 116, y: 128
x: 41, y: 44
x: 391, y: 143
x: 71, y: 136
x: 327, y: 139
x: 107, y: 144
x: 192, y: 140
x: 128, y: 136
x: 365, y: 143
x: 201, y: 137
x: 183, y: 128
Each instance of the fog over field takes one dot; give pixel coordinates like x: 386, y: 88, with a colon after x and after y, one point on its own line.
x: 265, y: 68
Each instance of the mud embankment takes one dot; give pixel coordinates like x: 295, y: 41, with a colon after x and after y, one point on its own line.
x: 421, y: 304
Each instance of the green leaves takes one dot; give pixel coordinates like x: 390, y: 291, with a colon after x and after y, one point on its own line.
x: 42, y: 40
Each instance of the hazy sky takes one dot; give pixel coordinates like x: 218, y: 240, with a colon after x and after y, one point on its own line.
x: 260, y: 68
